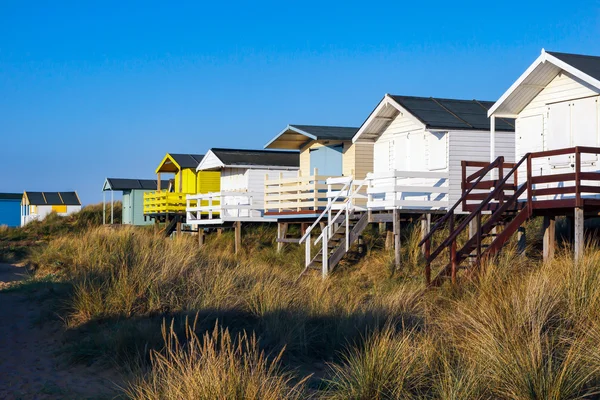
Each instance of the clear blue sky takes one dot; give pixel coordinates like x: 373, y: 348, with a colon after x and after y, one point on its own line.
x: 89, y: 91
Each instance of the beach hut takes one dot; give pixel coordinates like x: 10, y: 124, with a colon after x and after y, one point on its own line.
x: 419, y: 143
x: 242, y: 187
x: 132, y: 191
x: 328, y: 161
x: 9, y: 209
x: 555, y: 104
x: 37, y: 205
x: 325, y: 152
x: 168, y: 204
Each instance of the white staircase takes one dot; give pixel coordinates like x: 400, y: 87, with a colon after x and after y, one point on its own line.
x: 346, y: 218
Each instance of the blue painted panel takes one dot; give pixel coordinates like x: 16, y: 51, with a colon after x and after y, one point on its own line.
x: 10, y: 212
x: 327, y: 160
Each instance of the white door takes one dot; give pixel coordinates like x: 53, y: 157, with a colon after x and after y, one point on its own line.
x: 401, y: 151
x: 559, y: 132
x: 382, y: 159
x: 584, y: 126
x: 438, y: 156
x: 416, y: 151
x: 530, y: 135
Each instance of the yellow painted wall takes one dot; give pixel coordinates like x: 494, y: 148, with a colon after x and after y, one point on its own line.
x: 59, y: 209
x: 357, y: 159
x: 208, y: 181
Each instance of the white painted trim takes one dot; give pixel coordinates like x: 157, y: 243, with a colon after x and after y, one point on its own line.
x: 387, y: 100
x: 206, y: 157
x: 293, y: 129
x: 544, y: 57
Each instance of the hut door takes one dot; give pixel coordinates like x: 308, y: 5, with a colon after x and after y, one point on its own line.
x: 126, y: 217
x: 559, y: 133
x: 584, y: 125
x: 327, y: 160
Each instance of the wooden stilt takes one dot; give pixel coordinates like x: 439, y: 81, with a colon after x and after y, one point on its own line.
x: 179, y: 228
x: 521, y: 240
x: 238, y: 236
x: 397, y: 243
x: 425, y: 229
x: 389, y: 239
x: 219, y: 232
x: 549, y: 227
x: 282, y: 229
x: 472, y: 232
x: 382, y: 228
x: 200, y: 236
x: 579, y: 236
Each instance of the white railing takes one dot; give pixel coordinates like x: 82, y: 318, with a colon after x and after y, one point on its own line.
x: 419, y: 190
x: 217, y: 207
x: 300, y: 194
x: 345, y: 199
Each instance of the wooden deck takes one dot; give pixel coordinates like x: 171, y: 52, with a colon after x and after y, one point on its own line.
x: 508, y: 203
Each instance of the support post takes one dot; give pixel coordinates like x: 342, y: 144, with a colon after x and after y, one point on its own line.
x: 238, y: 236
x: 103, y: 208
x: 178, y: 228
x: 200, y: 236
x: 397, y: 243
x: 549, y: 227
x: 281, y: 234
x: 453, y: 265
x: 521, y: 240
x: 579, y: 236
x: 112, y: 206
x: 425, y: 229
x: 472, y: 232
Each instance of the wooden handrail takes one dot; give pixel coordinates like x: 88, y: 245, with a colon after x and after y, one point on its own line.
x: 478, y: 210
x: 443, y: 220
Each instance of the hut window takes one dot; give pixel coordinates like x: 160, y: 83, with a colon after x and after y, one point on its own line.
x: 59, y: 209
x: 32, y: 209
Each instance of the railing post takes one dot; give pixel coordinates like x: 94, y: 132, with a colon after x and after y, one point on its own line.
x: 478, y: 233
x: 453, y: 265
x: 325, y: 255
x: 529, y: 185
x: 210, y: 206
x: 578, y: 201
x: 307, y: 250
x: 500, y: 179
x: 347, y: 227
x: 463, y: 184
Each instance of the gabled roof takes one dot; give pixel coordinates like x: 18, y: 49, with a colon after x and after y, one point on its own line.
x: 132, y: 184
x: 431, y: 113
x: 294, y: 137
x: 539, y: 74
x: 52, y: 198
x: 175, y: 162
x: 251, y: 158
x: 11, y: 196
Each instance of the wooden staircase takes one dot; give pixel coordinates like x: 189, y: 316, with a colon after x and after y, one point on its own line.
x: 505, y: 215
x: 336, y: 244
x: 342, y: 230
x: 172, y: 225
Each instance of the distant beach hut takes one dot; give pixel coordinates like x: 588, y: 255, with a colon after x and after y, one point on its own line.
x: 9, y: 209
x: 133, y: 199
x: 37, y: 205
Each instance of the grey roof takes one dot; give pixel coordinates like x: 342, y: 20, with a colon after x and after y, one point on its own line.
x: 587, y: 64
x: 132, y: 184
x: 437, y: 113
x: 11, y: 196
x: 328, y: 132
x: 258, y: 157
x: 53, y: 198
x: 187, y: 160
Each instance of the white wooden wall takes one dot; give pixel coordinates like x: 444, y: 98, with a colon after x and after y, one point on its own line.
x: 474, y: 146
x: 566, y: 113
x: 384, y: 154
x: 249, y: 180
x: 534, y: 127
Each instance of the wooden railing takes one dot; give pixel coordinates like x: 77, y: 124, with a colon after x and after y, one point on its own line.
x: 426, y: 190
x: 480, y: 190
x: 163, y: 202
x: 223, y: 206
x: 301, y: 194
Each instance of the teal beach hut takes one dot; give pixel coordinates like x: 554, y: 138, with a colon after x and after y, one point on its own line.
x: 133, y: 199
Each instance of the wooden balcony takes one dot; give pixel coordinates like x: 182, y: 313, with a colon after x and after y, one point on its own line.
x: 163, y: 202
x: 413, y: 190
x: 298, y: 195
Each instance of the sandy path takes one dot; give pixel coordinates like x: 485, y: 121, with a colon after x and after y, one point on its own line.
x: 29, y: 367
